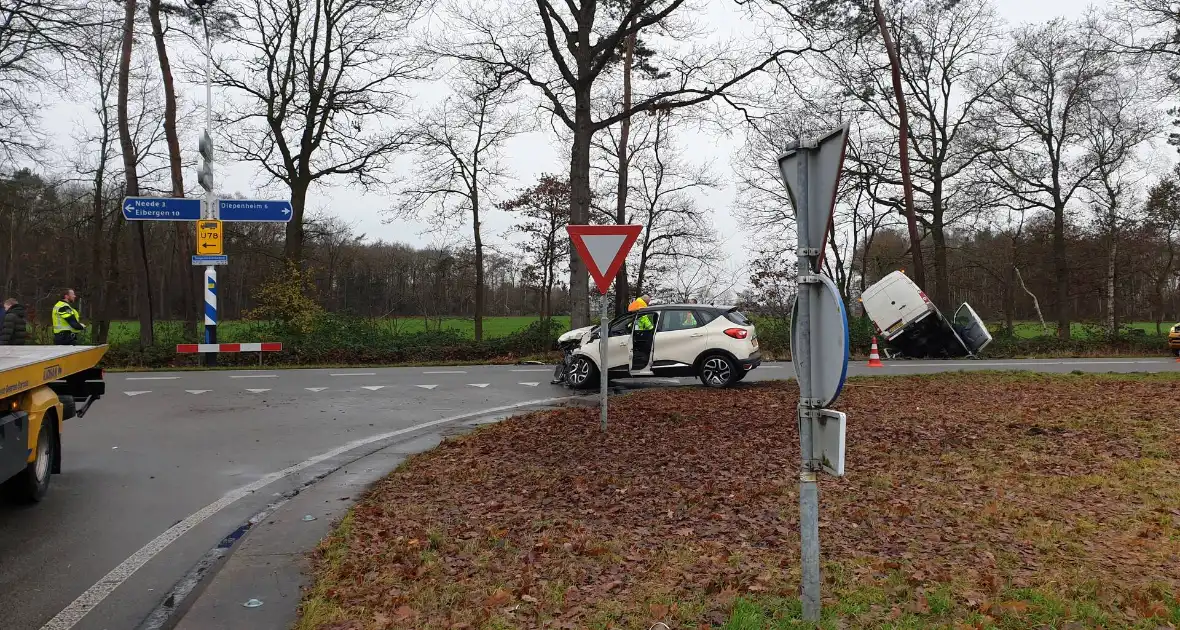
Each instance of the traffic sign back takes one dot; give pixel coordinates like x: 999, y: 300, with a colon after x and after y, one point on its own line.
x: 603, y: 248
x: 827, y: 367
x: 824, y: 164
x: 209, y: 241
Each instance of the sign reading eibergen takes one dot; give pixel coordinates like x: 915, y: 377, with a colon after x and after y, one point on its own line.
x: 255, y: 210
x: 209, y: 237
x: 161, y: 209
x: 827, y: 366
x: 824, y: 164
x: 603, y: 248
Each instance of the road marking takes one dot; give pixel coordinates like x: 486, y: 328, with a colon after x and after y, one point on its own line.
x: 448, y: 372
x: 198, y: 391
x: 426, y: 386
x: 532, y: 370
x: 315, y: 389
x: 137, y: 393
x: 87, y: 601
x: 257, y: 391
x: 152, y: 378
x: 530, y: 384
x: 354, y: 374
x: 372, y: 388
x: 254, y: 376
x: 478, y: 384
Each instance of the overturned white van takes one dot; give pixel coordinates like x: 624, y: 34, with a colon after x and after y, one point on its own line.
x: 913, y: 327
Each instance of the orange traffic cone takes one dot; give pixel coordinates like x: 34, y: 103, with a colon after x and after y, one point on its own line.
x: 874, y: 358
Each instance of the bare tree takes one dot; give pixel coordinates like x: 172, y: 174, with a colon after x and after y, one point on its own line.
x: 1163, y: 219
x: 562, y: 49
x: 1039, y: 137
x: 318, y: 87
x: 458, y: 148
x: 544, y: 210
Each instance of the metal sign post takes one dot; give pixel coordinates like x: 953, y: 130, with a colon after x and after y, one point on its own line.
x: 819, y: 339
x: 603, y: 248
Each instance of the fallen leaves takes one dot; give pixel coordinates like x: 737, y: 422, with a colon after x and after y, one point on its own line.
x: 544, y: 521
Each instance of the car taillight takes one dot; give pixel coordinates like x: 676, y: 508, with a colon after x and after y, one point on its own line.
x: 737, y: 333
x: 925, y: 299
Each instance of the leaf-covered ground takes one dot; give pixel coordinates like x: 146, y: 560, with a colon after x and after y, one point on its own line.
x: 970, y: 501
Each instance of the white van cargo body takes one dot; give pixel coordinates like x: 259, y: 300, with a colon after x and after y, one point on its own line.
x: 913, y: 327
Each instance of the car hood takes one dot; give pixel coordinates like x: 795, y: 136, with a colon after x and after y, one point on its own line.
x: 576, y: 333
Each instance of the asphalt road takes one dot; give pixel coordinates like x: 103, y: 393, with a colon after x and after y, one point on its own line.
x: 161, y: 447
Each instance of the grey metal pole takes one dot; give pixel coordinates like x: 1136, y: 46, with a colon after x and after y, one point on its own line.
x: 603, y: 334
x: 210, y: 201
x: 808, y: 488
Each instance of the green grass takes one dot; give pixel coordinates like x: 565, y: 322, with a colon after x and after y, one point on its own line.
x: 242, y: 331
x: 1029, y: 330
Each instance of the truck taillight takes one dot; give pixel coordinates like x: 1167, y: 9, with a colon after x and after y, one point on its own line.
x: 925, y: 299
x: 737, y: 333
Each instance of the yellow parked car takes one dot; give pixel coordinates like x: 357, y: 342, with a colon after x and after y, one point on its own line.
x: 1174, y: 340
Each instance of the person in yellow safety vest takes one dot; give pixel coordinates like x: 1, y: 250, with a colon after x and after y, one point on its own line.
x: 643, y: 335
x: 67, y: 321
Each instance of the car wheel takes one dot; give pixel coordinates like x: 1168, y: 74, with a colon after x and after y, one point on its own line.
x: 582, y: 374
x: 31, y: 484
x: 718, y: 370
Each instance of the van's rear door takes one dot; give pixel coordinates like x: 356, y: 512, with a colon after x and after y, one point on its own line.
x: 971, y: 329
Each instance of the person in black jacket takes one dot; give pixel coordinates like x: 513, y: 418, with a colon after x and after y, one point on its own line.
x: 15, y: 329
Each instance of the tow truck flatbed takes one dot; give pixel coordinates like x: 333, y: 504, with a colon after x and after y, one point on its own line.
x: 40, y: 388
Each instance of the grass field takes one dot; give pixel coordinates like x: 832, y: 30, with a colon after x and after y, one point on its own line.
x: 496, y: 327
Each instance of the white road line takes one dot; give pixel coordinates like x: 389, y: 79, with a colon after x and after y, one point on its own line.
x: 530, y: 384
x: 152, y: 378
x: 257, y: 391
x: 372, y: 388
x: 426, y: 386
x: 532, y: 370
x: 354, y: 374
x: 478, y: 384
x: 254, y: 376
x: 198, y: 391
x: 87, y: 601
x: 137, y: 393
x: 315, y: 389
x: 448, y: 372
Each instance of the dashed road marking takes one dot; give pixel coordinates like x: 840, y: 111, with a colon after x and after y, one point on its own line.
x: 152, y: 378
x: 315, y: 389
x: 254, y: 376
x: 530, y: 384
x: 257, y: 391
x: 426, y: 386
x: 447, y: 372
x: 354, y: 374
x: 138, y: 393
x: 372, y: 388
x: 478, y: 384
x: 198, y: 391
x: 89, y: 600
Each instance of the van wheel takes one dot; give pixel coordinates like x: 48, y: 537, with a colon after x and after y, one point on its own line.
x: 718, y: 370
x: 31, y: 484
x: 582, y: 374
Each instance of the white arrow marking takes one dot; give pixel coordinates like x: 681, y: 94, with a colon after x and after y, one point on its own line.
x: 426, y: 386
x: 531, y: 384
x: 257, y: 391
x: 197, y: 391
x: 315, y: 389
x: 137, y: 393
x: 372, y: 388
x: 478, y: 384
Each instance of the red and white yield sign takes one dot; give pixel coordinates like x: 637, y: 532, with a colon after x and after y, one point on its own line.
x: 603, y: 248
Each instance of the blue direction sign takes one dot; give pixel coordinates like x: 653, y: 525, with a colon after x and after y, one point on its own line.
x: 161, y: 209
x: 254, y: 210
x: 210, y: 259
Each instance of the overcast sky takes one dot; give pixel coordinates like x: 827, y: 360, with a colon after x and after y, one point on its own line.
x: 528, y: 157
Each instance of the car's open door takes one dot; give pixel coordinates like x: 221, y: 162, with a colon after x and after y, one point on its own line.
x: 971, y: 329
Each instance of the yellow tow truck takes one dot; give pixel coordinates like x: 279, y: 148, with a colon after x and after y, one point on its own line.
x: 40, y: 388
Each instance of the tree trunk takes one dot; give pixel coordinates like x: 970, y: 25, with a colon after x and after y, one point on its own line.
x: 479, y: 279
x: 622, y: 293
x: 183, y: 231
x: 146, y: 336
x: 1112, y: 323
x: 580, y: 207
x: 98, y: 271
x: 293, y: 248
x: 1061, y: 273
x: 903, y: 132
